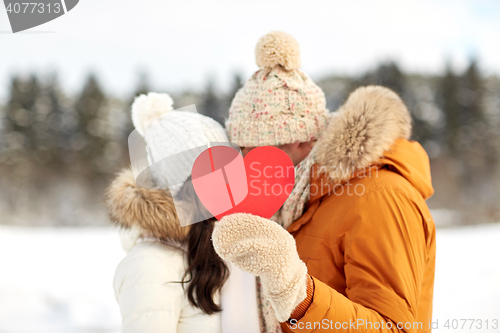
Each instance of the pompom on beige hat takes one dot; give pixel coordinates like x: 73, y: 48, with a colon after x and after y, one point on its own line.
x: 280, y: 104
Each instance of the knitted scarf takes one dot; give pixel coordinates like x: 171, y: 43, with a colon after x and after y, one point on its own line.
x: 292, y: 209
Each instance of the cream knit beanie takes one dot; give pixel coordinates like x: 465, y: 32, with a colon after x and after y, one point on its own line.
x: 279, y: 104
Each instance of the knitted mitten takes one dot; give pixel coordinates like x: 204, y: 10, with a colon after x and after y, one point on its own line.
x: 263, y: 248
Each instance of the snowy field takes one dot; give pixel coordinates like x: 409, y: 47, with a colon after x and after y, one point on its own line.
x: 60, y: 280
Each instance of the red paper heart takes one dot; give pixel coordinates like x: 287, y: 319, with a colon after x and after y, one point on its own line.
x: 258, y: 184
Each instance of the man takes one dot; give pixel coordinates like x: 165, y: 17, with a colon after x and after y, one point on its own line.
x: 363, y: 233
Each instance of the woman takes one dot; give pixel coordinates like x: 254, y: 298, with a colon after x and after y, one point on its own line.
x: 171, y: 278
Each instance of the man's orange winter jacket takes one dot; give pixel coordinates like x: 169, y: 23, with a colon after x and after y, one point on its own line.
x: 369, y: 241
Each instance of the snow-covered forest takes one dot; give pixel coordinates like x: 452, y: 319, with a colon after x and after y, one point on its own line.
x: 66, y: 90
x: 59, y: 150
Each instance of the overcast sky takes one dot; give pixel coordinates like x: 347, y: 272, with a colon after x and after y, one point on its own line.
x: 181, y: 43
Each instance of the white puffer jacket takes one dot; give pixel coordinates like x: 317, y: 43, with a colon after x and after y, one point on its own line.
x: 150, y: 296
x: 146, y: 282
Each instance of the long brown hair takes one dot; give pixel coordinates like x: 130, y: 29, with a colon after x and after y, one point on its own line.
x: 206, y: 271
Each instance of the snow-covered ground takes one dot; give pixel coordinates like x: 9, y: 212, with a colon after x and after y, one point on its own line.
x: 467, y: 284
x: 56, y: 280
x: 60, y: 280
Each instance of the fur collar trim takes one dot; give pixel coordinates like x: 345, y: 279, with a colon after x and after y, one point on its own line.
x: 150, y: 211
x: 370, y: 121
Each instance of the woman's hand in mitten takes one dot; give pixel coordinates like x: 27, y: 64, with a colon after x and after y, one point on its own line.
x: 263, y: 248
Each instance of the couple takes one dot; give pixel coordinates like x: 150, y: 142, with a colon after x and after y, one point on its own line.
x: 330, y: 259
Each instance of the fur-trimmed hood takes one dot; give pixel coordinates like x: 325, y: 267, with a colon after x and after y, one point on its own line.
x: 370, y: 121
x: 372, y: 127
x: 151, y: 212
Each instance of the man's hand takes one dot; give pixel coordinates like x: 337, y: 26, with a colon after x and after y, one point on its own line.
x: 263, y: 248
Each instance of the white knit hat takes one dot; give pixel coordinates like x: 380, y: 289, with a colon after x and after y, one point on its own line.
x: 279, y: 104
x: 174, y: 138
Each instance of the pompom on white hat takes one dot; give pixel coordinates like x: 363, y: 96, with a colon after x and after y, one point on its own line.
x: 171, y: 137
x: 148, y: 107
x: 280, y: 104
